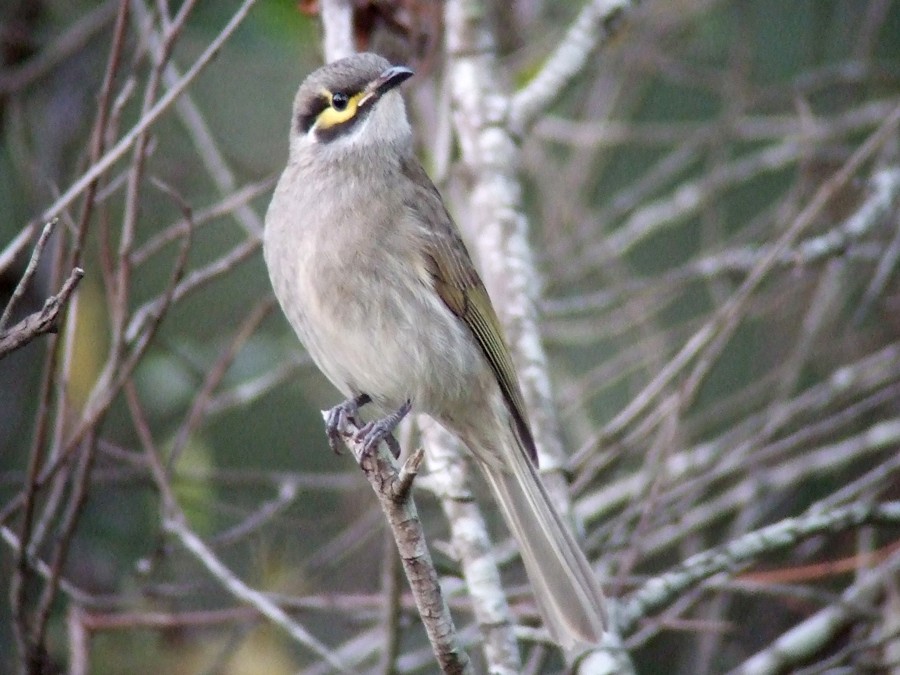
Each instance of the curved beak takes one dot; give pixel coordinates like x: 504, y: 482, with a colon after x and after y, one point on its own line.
x: 389, y: 79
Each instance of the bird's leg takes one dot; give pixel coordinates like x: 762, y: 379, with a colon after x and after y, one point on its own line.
x: 338, y: 417
x: 381, y: 430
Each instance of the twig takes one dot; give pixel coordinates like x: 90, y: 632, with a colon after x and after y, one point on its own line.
x: 236, y: 200
x: 42, y: 321
x: 175, y: 522
x: 645, y: 215
x: 265, y: 513
x: 153, y: 114
x: 392, y: 609
x: 62, y: 48
x: 151, y: 311
x: 189, y: 539
x: 79, y: 595
x: 598, y: 22
x: 12, y: 250
x: 66, y: 528
x: 31, y: 268
x: 820, y: 630
x: 876, y: 439
x: 199, y: 132
x: 197, y: 412
x: 114, y: 376
x: 661, y: 590
x: 392, y: 487
x: 707, y: 343
x: 885, y: 187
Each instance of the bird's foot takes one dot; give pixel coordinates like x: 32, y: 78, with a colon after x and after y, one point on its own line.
x: 338, y: 417
x: 373, y: 433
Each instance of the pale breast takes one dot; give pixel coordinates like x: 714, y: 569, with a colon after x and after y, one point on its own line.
x: 354, y: 289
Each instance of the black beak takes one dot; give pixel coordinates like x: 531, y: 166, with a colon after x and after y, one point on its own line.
x: 389, y: 79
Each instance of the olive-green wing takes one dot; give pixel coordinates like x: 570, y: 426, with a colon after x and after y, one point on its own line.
x: 461, y: 289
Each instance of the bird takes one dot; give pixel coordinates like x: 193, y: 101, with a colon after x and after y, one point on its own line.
x: 371, y: 272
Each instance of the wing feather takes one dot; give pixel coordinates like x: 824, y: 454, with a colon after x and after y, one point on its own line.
x: 457, y: 283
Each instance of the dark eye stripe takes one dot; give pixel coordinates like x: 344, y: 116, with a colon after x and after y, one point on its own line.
x: 342, y: 128
x: 307, y: 117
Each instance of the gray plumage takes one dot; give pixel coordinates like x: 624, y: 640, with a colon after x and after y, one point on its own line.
x: 373, y: 276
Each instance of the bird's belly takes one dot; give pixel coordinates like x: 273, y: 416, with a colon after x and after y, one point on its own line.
x: 386, y: 335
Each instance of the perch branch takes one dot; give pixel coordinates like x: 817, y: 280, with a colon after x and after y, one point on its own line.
x: 392, y: 486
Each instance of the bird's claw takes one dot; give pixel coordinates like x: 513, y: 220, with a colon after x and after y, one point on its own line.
x: 372, y: 433
x: 339, y: 416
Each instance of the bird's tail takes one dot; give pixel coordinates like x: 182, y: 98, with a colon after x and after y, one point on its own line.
x: 564, y: 585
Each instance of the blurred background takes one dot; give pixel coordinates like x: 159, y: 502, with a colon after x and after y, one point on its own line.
x: 657, y: 188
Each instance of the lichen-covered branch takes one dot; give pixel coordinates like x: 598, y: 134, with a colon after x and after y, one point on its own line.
x: 661, y: 590
x: 598, y: 22
x: 393, y: 487
x: 450, y: 481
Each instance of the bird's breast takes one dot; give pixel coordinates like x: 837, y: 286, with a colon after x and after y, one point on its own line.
x: 352, y: 280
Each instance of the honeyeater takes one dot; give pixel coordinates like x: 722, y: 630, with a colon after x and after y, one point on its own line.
x: 374, y: 277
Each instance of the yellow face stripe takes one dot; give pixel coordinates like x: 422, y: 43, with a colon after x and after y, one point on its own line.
x: 331, y: 117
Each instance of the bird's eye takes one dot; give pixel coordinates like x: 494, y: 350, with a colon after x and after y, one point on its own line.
x: 339, y: 101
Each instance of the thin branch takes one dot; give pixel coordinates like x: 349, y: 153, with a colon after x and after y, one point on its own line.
x: 62, y: 48
x: 392, y: 609
x: 177, y: 526
x: 197, y: 412
x: 152, y: 310
x: 713, y: 336
x: 662, y: 590
x: 43, y: 321
x: 153, y: 114
x: 449, y: 479
x: 819, y: 631
x: 337, y: 29
x: 175, y: 522
x: 203, y: 139
x: 30, y: 269
x: 392, y: 487
x: 596, y: 24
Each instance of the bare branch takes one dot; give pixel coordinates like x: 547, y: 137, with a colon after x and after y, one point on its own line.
x: 450, y: 481
x: 659, y: 591
x: 62, y: 48
x: 820, y: 630
x: 22, y: 286
x: 715, y: 334
x: 40, y: 322
x: 596, y: 24
x: 392, y: 486
x: 337, y: 29
x: 153, y: 114
x: 175, y: 525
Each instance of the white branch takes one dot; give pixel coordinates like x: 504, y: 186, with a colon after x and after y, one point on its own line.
x: 448, y: 478
x: 808, y: 638
x: 596, y: 24
x: 660, y: 591
x: 337, y: 26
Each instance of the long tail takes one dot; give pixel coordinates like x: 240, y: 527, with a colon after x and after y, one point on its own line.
x: 564, y: 585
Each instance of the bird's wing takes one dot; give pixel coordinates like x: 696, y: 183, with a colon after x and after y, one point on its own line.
x: 461, y: 289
